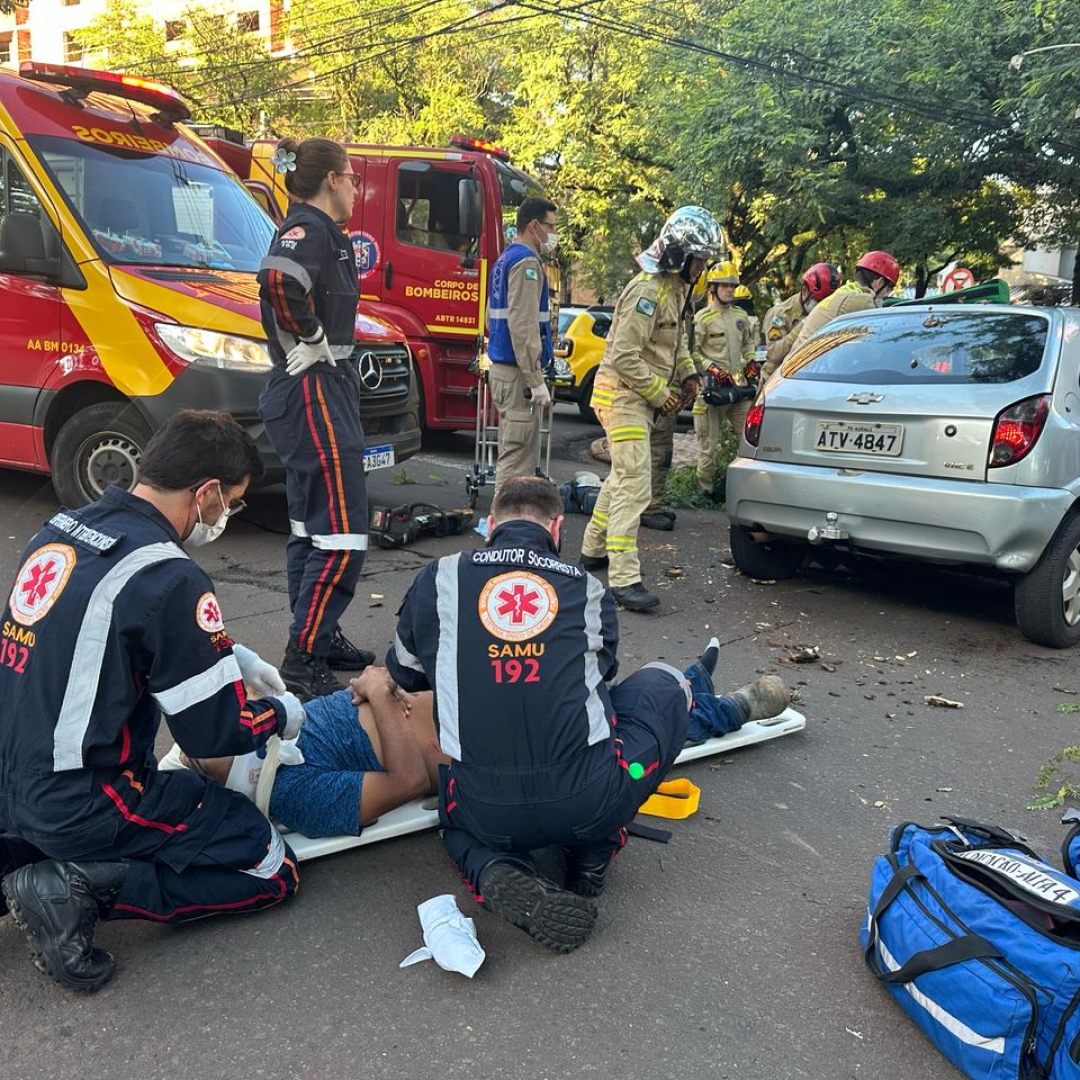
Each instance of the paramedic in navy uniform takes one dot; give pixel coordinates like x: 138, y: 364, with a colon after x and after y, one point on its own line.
x: 519, y: 647
x: 308, y: 290
x: 109, y: 627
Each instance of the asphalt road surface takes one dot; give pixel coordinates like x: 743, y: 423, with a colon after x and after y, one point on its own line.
x: 730, y: 952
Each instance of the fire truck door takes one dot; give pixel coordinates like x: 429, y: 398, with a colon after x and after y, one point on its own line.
x: 431, y: 263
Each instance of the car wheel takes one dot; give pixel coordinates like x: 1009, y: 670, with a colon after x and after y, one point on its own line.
x: 774, y: 560
x: 585, y: 396
x: 98, y: 446
x: 1047, y: 599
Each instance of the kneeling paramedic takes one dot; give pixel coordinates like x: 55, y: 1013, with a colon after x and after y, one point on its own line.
x: 520, y: 648
x: 109, y: 627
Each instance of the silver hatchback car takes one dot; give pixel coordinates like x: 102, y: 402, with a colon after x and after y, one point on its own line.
x: 942, y: 433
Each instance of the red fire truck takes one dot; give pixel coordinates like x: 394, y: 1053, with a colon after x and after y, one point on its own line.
x: 428, y: 226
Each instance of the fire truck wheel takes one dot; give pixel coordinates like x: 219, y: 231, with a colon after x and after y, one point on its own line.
x: 98, y: 446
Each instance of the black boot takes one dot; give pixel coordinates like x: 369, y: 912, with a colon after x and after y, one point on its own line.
x: 307, y: 676
x: 635, y: 597
x: 554, y: 917
x: 594, y: 562
x: 13, y: 854
x: 585, y: 880
x: 57, y: 905
x: 656, y: 519
x: 345, y: 656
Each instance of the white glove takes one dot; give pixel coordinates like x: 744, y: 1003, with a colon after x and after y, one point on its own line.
x: 294, y: 715
x: 301, y: 356
x: 449, y: 938
x: 260, y: 677
x: 541, y: 396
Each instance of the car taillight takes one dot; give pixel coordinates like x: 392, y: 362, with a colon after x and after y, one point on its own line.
x: 752, y: 431
x: 1016, y: 429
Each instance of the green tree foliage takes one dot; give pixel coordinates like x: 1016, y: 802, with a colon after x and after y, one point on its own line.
x: 815, y: 131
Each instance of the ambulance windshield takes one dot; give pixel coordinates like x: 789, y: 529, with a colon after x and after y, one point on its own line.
x: 515, y: 187
x: 156, y: 209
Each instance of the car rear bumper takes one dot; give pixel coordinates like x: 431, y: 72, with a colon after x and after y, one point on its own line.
x: 986, y: 524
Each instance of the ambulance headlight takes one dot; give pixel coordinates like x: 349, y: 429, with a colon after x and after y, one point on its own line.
x: 211, y: 349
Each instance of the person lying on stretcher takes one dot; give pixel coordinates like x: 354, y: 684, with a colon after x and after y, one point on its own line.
x: 366, y: 751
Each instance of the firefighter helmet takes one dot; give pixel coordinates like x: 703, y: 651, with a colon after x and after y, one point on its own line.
x: 742, y: 293
x: 722, y: 274
x: 690, y: 233
x: 881, y: 264
x: 822, y: 280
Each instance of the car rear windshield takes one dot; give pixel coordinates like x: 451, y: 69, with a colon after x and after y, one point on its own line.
x: 917, y: 347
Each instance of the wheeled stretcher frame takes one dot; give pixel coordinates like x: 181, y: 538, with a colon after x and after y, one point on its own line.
x: 486, y: 447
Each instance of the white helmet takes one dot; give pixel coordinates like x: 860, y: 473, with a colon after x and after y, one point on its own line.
x: 690, y: 233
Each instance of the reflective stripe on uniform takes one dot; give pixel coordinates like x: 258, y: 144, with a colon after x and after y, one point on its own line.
x: 89, y: 653
x: 287, y: 266
x: 600, y: 517
x: 599, y: 725
x: 603, y: 397
x: 446, y: 672
x: 627, y: 434
x: 621, y: 543
x: 404, y: 657
x: 330, y: 541
x: 206, y: 684
x: 498, y: 313
x: 340, y: 541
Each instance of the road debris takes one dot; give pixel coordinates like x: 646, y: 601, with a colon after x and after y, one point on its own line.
x: 806, y: 654
x: 943, y: 702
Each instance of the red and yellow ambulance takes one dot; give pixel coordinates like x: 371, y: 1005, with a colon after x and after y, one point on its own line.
x: 128, y: 255
x: 426, y: 228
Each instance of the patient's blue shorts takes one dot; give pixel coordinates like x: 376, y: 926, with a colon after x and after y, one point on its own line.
x: 322, y: 796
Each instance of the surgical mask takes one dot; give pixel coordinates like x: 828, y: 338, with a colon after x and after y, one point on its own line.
x: 203, y: 532
x: 549, y: 243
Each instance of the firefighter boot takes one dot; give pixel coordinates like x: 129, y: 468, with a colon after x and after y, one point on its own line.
x: 657, y: 519
x: 585, y: 880
x: 594, y: 562
x: 635, y: 597
x: 307, y: 676
x: 57, y: 905
x: 345, y: 656
x: 556, y: 918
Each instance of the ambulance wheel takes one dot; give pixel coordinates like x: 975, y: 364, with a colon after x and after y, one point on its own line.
x: 765, y: 561
x: 98, y: 446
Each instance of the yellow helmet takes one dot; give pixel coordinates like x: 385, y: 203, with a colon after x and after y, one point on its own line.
x: 742, y: 293
x: 722, y: 274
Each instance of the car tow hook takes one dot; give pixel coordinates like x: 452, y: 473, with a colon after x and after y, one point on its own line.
x: 819, y: 534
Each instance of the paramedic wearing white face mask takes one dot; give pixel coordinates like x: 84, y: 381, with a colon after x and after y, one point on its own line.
x: 115, y: 628
x: 519, y: 339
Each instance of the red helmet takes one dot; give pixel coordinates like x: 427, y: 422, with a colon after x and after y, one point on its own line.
x: 881, y: 264
x: 821, y: 280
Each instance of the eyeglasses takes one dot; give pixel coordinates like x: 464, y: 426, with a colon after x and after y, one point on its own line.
x: 233, y: 508
x: 354, y: 177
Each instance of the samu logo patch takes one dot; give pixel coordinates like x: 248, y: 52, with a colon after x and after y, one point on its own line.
x: 40, y: 582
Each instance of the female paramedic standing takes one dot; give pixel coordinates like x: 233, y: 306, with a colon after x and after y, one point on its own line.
x: 308, y: 291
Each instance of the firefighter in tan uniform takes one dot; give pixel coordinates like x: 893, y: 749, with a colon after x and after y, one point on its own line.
x: 784, y: 320
x: 519, y: 339
x: 644, y: 356
x: 724, y: 348
x: 876, y: 275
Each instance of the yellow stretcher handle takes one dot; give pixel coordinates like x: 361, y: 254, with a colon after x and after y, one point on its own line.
x: 677, y: 798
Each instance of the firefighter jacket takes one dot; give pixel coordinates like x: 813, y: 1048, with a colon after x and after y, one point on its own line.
x: 646, y: 351
x: 724, y: 339
x: 519, y: 647
x: 782, y: 324
x: 851, y: 296
x: 109, y: 627
x: 519, y: 314
x: 308, y: 285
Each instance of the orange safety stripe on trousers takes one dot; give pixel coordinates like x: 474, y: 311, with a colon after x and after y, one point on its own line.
x: 327, y: 593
